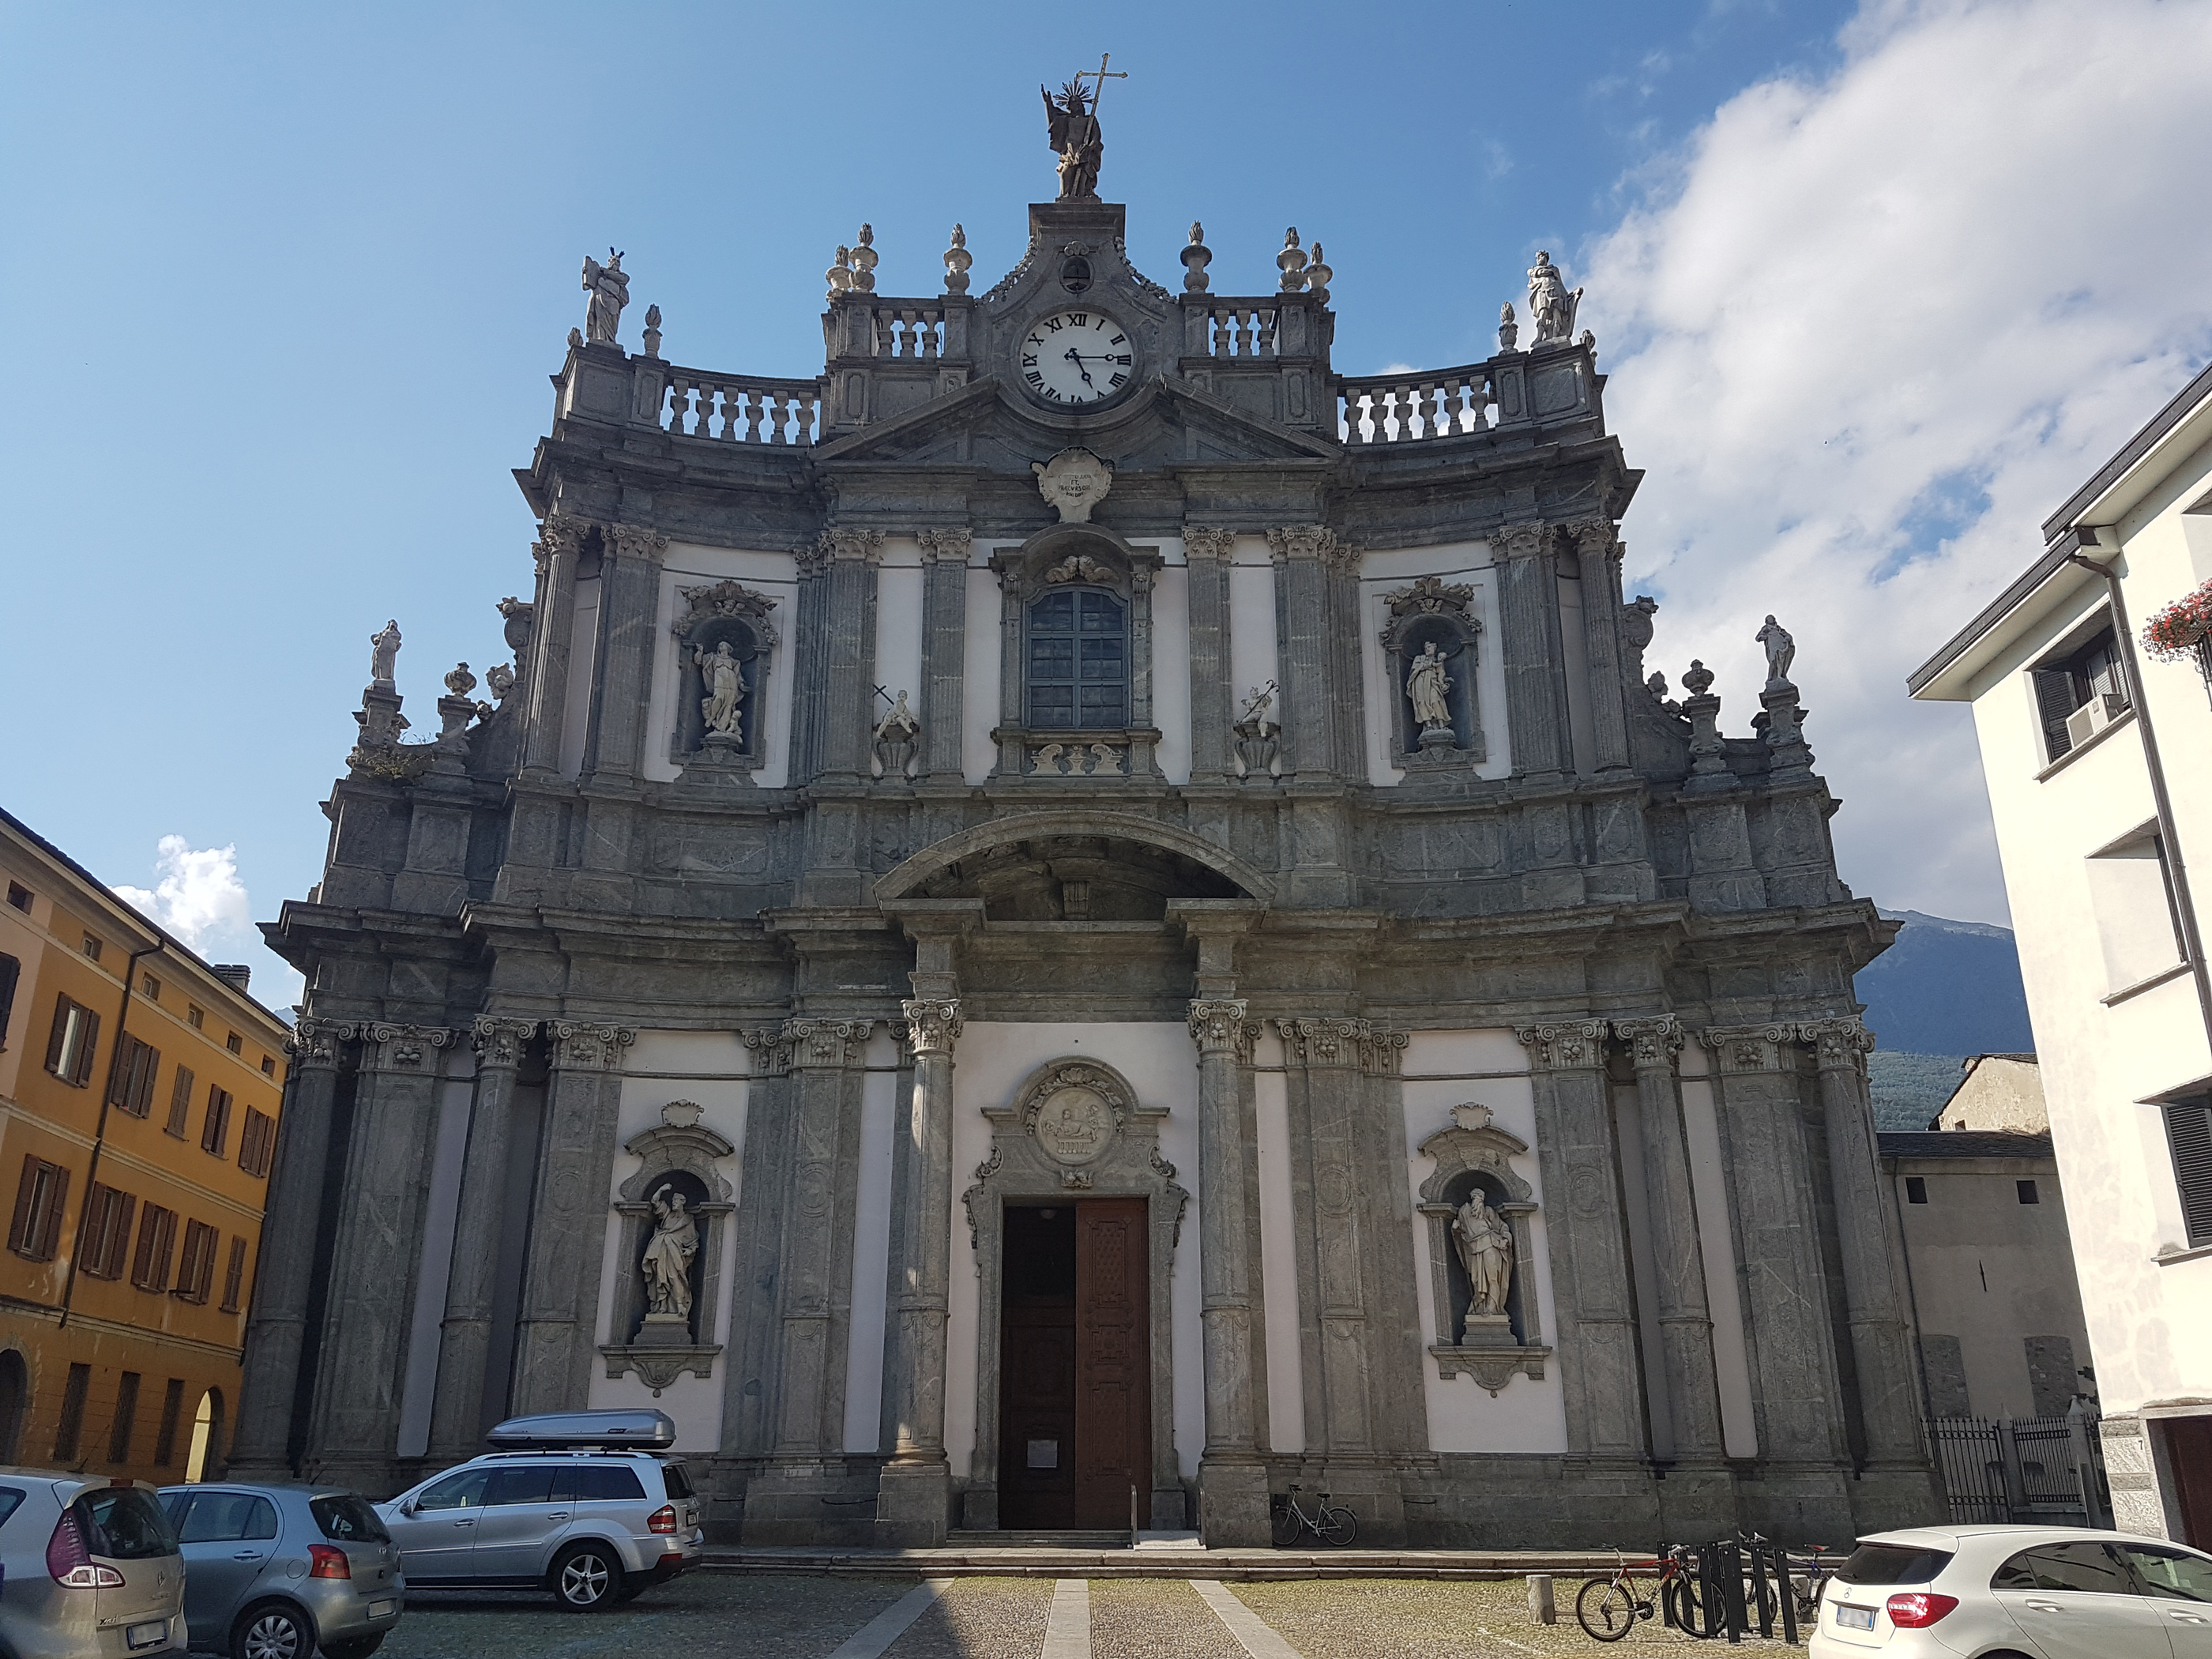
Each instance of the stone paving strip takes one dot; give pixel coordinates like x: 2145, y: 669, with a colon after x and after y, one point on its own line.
x: 1155, y: 1618
x: 978, y: 1619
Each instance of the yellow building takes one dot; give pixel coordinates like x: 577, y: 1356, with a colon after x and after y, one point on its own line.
x: 138, y: 1105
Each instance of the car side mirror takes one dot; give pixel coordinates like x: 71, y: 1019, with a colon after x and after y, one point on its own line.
x: 408, y: 1508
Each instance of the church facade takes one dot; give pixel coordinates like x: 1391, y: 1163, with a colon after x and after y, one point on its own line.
x: 1078, y: 920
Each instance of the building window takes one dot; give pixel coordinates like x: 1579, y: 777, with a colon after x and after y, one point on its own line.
x: 215, y: 1128
x: 268, y: 1066
x: 71, y: 1428
x: 2138, y: 923
x: 131, y: 1081
x: 257, y: 1143
x: 92, y: 947
x: 2080, y: 693
x: 107, y: 1215
x: 20, y: 897
x: 40, y: 1197
x: 195, y: 1016
x: 1078, y: 661
x: 11, y: 970
x: 157, y: 1243
x: 149, y: 987
x: 234, y: 1043
x: 70, y: 1047
x: 127, y: 1412
x: 195, y: 1266
x: 234, y: 1277
x: 2026, y: 1190
x: 1916, y: 1189
x: 180, y: 1103
x: 165, y: 1437
x: 2189, y: 1137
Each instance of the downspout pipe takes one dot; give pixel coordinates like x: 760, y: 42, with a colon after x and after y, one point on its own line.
x: 2185, y: 905
x: 100, y: 1129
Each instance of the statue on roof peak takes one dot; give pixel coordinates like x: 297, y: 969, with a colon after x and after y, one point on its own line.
x: 1072, y: 123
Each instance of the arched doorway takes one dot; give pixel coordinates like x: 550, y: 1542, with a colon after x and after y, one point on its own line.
x: 14, y: 1405
x: 206, y: 1457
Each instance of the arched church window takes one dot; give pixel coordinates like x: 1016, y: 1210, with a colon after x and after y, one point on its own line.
x: 1079, y: 660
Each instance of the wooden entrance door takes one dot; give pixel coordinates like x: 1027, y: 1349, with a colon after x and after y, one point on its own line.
x: 1075, y: 1365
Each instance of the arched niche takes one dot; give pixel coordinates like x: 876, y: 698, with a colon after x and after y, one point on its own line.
x: 1474, y: 1153
x: 725, y: 614
x: 924, y: 873
x: 1433, y: 612
x: 678, y: 1155
x: 1069, y: 590
x: 1074, y: 1129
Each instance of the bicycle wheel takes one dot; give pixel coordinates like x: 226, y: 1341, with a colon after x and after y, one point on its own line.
x: 1337, y: 1526
x: 1605, y: 1609
x: 1287, y: 1527
x: 1685, y: 1607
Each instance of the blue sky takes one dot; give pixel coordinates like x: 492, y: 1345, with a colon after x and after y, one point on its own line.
x: 287, y: 282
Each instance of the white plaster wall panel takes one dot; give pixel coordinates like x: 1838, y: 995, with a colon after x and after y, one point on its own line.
x: 1701, y: 1133
x: 456, y: 1094
x: 899, y: 620
x: 1469, y: 563
x: 1440, y: 1070
x: 1171, y: 669
x: 687, y: 564
x: 872, y: 1244
x: 1278, y: 1265
x: 990, y: 1062
x: 979, y: 698
x: 709, y: 1067
x: 1253, y: 660
x: 583, y: 655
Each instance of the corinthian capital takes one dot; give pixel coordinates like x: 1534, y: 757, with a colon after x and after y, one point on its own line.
x: 1302, y: 541
x: 1591, y: 537
x: 636, y: 541
x: 1220, y: 1028
x: 500, y: 1041
x: 315, y: 1042
x: 1749, y: 1047
x: 948, y: 546
x: 561, y: 532
x: 581, y: 1048
x: 1524, y: 540
x: 1204, y: 541
x: 405, y: 1048
x: 1321, y: 1041
x: 932, y: 1025
x: 1569, y: 1045
x: 1838, y: 1044
x: 816, y: 1042
x: 1653, y: 1043
x: 843, y: 544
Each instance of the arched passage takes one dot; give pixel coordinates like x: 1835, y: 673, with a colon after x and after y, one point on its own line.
x: 1073, y: 864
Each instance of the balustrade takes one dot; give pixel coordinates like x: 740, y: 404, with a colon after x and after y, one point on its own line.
x: 1388, y: 409
x: 1241, y: 328
x: 740, y: 409
x: 908, y: 328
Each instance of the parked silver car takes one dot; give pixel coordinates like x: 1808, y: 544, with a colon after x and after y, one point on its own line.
x: 577, y: 1504
x: 273, y: 1571
x: 86, y: 1568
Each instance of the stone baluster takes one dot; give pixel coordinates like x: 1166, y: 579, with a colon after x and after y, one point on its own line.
x: 459, y: 1415
x: 558, y: 1315
x: 284, y: 1285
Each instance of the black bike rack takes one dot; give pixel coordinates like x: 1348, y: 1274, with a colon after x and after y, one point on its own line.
x: 1724, y: 1567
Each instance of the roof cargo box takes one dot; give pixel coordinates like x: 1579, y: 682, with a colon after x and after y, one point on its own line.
x: 644, y: 1431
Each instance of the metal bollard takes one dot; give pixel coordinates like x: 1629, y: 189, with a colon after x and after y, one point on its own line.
x: 1542, y: 1606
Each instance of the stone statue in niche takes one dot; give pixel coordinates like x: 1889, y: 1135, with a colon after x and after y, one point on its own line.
x: 726, y: 690
x: 896, y: 736
x: 1550, y: 305
x: 668, y: 1253
x: 609, y: 286
x: 1485, y: 1244
x: 1781, y: 651
x: 1426, y: 683
x: 384, y: 654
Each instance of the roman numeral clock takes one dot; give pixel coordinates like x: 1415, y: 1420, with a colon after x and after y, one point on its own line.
x: 1075, y: 357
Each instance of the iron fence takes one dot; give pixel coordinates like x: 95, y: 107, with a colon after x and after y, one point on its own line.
x: 2026, y: 1470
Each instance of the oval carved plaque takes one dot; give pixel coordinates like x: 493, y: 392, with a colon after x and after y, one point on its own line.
x: 1075, y: 1125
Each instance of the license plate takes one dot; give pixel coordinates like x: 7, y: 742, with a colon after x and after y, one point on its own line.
x: 1850, y: 1618
x: 146, y: 1635
x: 383, y: 1609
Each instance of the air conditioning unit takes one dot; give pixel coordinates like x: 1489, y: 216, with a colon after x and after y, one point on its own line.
x: 2093, y: 717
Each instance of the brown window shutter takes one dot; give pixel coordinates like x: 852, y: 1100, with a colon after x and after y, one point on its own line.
x: 122, y: 1207
x: 57, y: 1042
x: 49, y: 1233
x: 234, y: 1275
x: 87, y: 1046
x: 26, y: 1195
x: 180, y: 1104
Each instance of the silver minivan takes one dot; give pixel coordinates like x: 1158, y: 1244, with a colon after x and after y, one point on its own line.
x: 273, y: 1571
x: 86, y: 1568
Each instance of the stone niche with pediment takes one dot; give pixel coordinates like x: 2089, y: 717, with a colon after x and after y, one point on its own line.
x: 1473, y: 1153
x: 1074, y: 1129
x: 680, y: 1154
x: 1433, y: 612
x: 708, y: 618
x: 1075, y: 598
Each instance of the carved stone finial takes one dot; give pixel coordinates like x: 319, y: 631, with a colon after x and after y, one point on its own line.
x: 957, y: 262
x: 864, y: 261
x: 652, y: 331
x: 1073, y: 482
x: 1549, y: 303
x: 840, y: 274
x: 1318, y: 275
x: 1699, y: 680
x: 501, y: 678
x: 609, y: 286
x: 1195, y: 259
x: 383, y: 654
x: 1509, y: 330
x: 460, y: 682
x: 1781, y: 651
x: 1292, y: 262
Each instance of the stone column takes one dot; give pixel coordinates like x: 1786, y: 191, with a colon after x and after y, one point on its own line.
x: 1528, y: 645
x: 914, y: 1505
x: 630, y: 612
x: 560, y: 544
x: 847, y: 686
x: 457, y: 1412
x: 1322, y: 1057
x: 1599, y: 557
x: 556, y: 1328
x: 1306, y: 652
x: 1232, y: 1481
x: 283, y: 1286
x: 376, y: 1255
x: 826, y: 1057
x: 1686, y: 1326
x: 943, y: 651
x: 1590, y: 1281
x: 1882, y: 1353
x: 1212, y: 696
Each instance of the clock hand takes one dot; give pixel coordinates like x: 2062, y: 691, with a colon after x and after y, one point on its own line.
x: 1076, y: 357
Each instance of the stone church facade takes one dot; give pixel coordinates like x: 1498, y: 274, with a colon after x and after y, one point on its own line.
x: 1135, y: 888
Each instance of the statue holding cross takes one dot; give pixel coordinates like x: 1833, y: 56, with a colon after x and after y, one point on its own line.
x: 1072, y: 117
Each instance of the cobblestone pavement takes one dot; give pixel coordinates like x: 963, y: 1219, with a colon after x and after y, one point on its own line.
x: 722, y: 1615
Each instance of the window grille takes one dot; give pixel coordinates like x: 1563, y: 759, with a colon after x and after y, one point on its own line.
x: 1078, y: 661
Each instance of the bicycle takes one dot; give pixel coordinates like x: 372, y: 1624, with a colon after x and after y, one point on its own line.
x: 1332, y: 1525
x: 1608, y: 1608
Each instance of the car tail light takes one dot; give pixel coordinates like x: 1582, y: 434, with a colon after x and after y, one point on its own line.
x: 68, y: 1558
x: 1918, y: 1609
x: 664, y: 1519
x: 330, y: 1562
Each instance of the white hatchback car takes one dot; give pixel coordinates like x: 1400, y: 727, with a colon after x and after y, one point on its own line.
x: 2041, y: 1592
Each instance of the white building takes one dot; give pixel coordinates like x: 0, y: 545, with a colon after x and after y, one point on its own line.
x: 2094, y: 753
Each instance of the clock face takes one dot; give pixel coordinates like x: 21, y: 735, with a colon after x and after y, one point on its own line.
x: 1075, y: 357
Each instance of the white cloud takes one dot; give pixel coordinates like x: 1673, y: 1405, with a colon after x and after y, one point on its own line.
x: 198, y: 896
x: 1875, y: 327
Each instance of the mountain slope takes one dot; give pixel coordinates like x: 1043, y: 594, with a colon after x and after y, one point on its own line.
x: 1946, y: 988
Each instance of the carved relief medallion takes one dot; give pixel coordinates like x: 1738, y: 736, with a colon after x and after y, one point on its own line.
x: 1075, y: 1125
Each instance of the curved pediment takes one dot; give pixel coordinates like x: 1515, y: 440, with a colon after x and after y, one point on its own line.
x: 1019, y: 865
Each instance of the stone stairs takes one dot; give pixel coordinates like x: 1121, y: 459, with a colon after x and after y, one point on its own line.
x: 1153, y: 1558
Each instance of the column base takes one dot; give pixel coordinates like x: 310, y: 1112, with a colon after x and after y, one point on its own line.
x: 913, y: 1506
x: 808, y: 1502
x: 1232, y: 1505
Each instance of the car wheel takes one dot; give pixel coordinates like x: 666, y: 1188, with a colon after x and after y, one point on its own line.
x: 587, y: 1578
x: 273, y: 1630
x: 359, y: 1648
